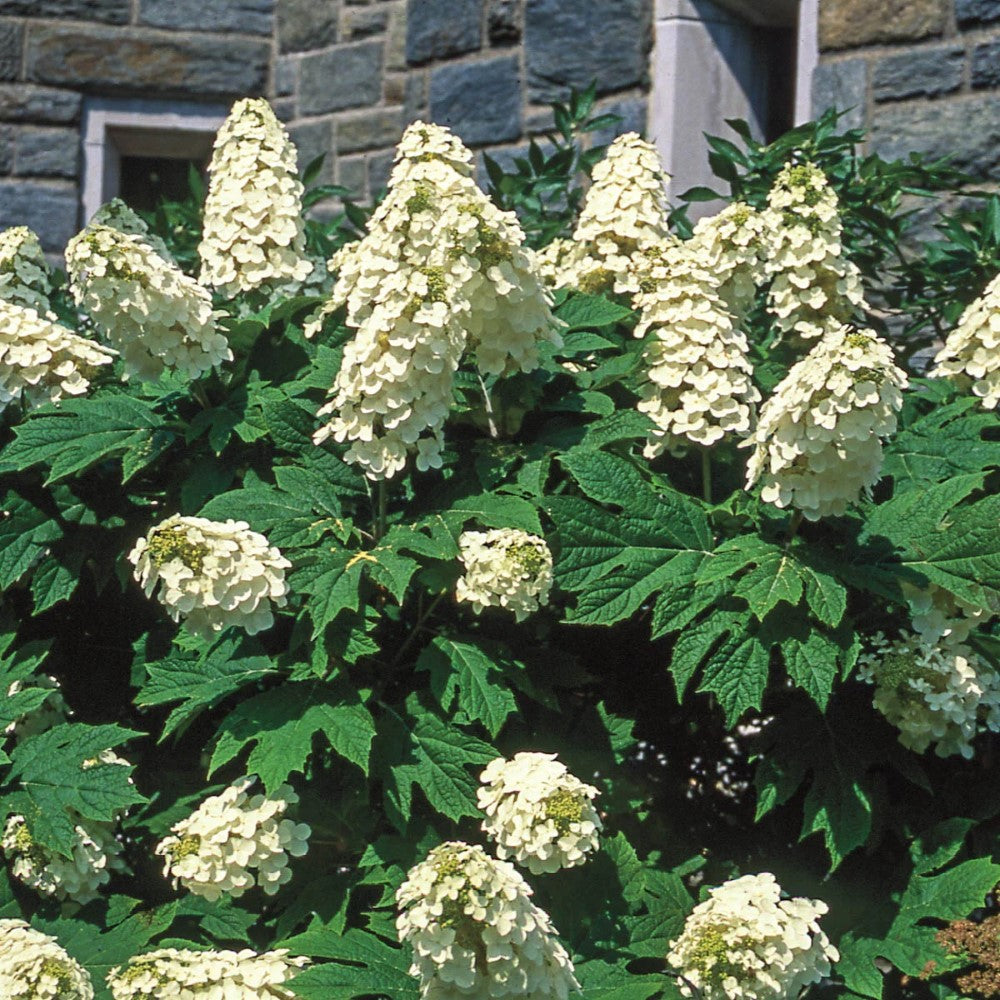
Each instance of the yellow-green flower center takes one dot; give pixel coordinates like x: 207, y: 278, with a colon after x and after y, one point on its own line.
x: 173, y: 543
x: 527, y: 560
x: 710, y: 957
x: 186, y: 847
x: 564, y: 808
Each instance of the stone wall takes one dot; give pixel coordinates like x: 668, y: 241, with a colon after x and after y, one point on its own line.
x: 346, y: 75
x: 918, y: 74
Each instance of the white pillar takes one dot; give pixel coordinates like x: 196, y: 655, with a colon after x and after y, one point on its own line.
x: 806, y: 58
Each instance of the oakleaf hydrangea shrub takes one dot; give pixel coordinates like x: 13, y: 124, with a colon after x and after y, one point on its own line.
x: 585, y: 588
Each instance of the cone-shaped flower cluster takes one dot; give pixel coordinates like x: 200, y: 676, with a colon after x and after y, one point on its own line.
x: 733, y: 245
x: 747, y: 943
x: 96, y: 855
x: 624, y: 213
x: 440, y: 271
x: 156, y: 316
x: 818, y: 443
x: 118, y: 215
x: 182, y: 974
x: 34, y: 967
x: 212, y: 573
x: 697, y: 384
x: 971, y: 353
x: 476, y: 933
x: 253, y: 233
x: 24, y: 273
x: 939, y: 693
x: 51, y: 711
x: 539, y: 815
x: 234, y: 841
x: 504, y: 567
x: 814, y: 287
x: 41, y: 360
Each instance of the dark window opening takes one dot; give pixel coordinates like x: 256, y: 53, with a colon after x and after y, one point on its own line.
x: 145, y: 181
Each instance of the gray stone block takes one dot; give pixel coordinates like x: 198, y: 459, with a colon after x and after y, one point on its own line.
x: 379, y: 168
x: 11, y: 43
x: 26, y: 103
x: 48, y: 208
x: 841, y: 85
x: 369, y: 130
x: 352, y: 173
x: 364, y: 22
x: 969, y: 129
x: 47, y: 152
x: 986, y: 65
x: 972, y: 12
x: 569, y: 44
x: 286, y: 75
x: 480, y: 101
x: 136, y: 61
x: 108, y: 11
x: 306, y: 24
x: 345, y: 76
x: 503, y: 22
x: 632, y: 113
x: 439, y: 28
x: 251, y: 17
x: 919, y: 72
x: 6, y: 149
x: 313, y: 139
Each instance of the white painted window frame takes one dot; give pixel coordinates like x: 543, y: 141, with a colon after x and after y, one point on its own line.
x: 114, y: 128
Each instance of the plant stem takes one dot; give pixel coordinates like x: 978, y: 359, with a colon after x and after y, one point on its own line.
x: 706, y: 475
x: 198, y: 391
x: 415, y: 631
x: 793, y: 527
x: 494, y: 433
x: 381, y: 502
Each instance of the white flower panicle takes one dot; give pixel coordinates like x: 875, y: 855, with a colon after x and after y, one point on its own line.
x: 814, y: 286
x: 939, y: 693
x: 24, y: 272
x: 96, y: 855
x: 624, y: 212
x: 51, y: 711
x: 506, y: 568
x: 539, y: 815
x: 212, y: 574
x: 149, y: 310
x: 183, y: 974
x: 254, y: 233
x: 33, y: 966
x: 733, y: 246
x: 818, y: 442
x: 747, y: 943
x: 475, y: 932
x: 440, y: 272
x: 697, y: 382
x: 118, y: 215
x: 971, y: 353
x: 235, y: 841
x: 935, y: 613
x: 41, y: 360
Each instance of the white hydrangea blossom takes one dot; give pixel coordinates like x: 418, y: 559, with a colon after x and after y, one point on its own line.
x: 504, y: 567
x: 34, y: 967
x: 935, y: 613
x: 814, y: 286
x: 475, y: 932
x: 818, y: 442
x: 733, y: 245
x: 96, y: 855
x: 234, y: 841
x: 158, y: 317
x: 182, y: 974
x: 118, y: 215
x: 697, y: 384
x: 440, y: 272
x: 932, y: 692
x: 212, y: 573
x: 24, y: 272
x: 254, y: 233
x: 624, y: 212
x: 51, y: 711
x: 539, y: 814
x: 41, y: 360
x: 747, y: 943
x: 971, y: 353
